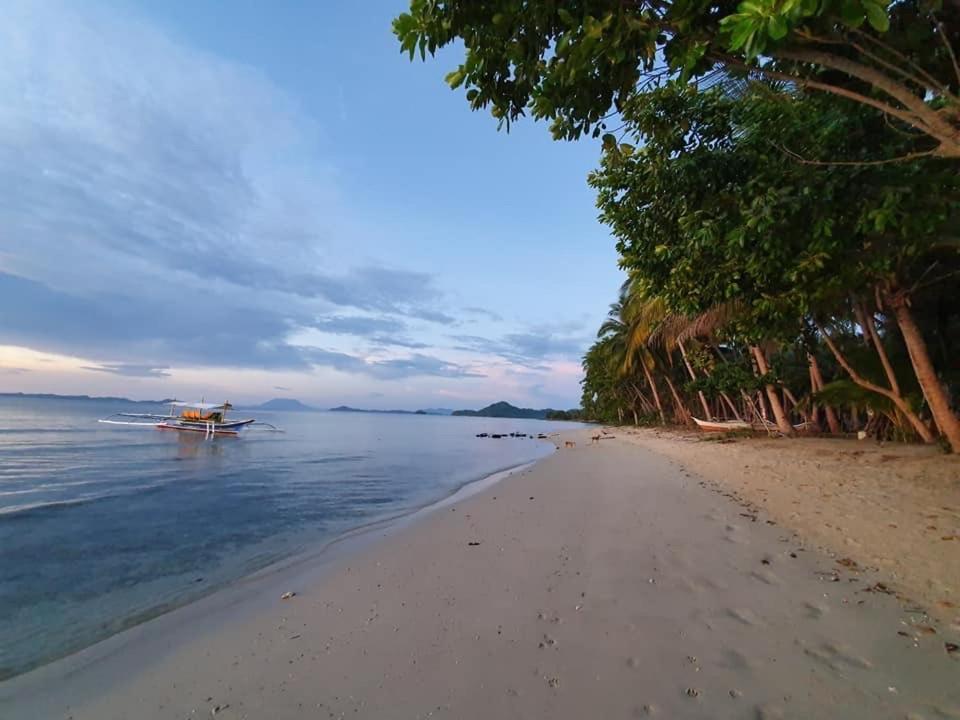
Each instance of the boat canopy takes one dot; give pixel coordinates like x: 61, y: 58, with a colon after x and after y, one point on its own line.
x: 202, y: 406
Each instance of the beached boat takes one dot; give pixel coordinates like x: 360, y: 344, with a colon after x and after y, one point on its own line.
x: 722, y: 425
x: 198, y: 417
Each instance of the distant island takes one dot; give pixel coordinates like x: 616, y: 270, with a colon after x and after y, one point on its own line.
x: 83, y: 398
x: 496, y: 410
x: 506, y: 410
x: 429, y: 411
x: 284, y: 404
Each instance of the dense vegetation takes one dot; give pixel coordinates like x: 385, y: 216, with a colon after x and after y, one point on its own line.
x: 783, y: 181
x: 504, y: 410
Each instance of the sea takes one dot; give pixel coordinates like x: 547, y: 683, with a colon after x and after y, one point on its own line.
x: 103, y: 527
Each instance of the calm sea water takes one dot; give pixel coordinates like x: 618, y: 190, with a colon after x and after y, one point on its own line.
x: 103, y: 527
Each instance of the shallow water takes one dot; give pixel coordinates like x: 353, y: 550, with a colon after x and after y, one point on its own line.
x: 102, y: 526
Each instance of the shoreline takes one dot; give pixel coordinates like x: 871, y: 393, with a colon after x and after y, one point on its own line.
x: 237, y: 597
x: 605, y: 580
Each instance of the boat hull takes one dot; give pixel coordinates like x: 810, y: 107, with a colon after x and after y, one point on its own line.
x: 722, y: 426
x: 227, y: 428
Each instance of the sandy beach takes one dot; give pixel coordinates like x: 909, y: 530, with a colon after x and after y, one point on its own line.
x: 630, y: 578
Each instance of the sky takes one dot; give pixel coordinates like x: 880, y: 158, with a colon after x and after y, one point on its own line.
x: 246, y: 200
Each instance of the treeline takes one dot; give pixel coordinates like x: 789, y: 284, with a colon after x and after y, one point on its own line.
x: 783, y: 182
x: 575, y: 414
x: 768, y: 287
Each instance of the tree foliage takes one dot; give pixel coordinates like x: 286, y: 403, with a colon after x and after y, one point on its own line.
x: 572, y: 63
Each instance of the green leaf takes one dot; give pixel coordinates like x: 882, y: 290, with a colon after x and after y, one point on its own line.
x: 777, y: 27
x: 852, y: 13
x: 877, y: 16
x: 742, y: 32
x: 455, y: 79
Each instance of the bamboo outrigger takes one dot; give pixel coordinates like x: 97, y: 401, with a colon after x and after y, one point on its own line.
x: 199, y: 417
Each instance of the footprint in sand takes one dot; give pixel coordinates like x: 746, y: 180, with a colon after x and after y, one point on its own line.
x: 765, y: 576
x: 837, y: 657
x: 814, y: 611
x: 735, y: 660
x: 768, y: 712
x: 745, y: 615
x: 547, y: 642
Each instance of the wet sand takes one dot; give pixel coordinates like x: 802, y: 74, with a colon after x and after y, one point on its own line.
x: 605, y: 581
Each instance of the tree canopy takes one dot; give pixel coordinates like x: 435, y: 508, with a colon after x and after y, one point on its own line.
x: 576, y: 63
x: 782, y: 182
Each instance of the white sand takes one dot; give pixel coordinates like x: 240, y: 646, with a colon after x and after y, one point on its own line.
x: 892, y: 507
x: 607, y: 583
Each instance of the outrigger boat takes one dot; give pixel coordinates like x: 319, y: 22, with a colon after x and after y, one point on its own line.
x: 200, y: 417
x: 721, y: 425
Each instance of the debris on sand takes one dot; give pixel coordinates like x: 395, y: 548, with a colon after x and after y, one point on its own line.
x: 287, y: 595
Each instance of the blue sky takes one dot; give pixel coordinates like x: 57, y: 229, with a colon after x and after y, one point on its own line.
x: 258, y: 199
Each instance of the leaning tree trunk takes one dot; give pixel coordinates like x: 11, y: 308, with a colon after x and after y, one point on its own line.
x: 653, y: 389
x: 693, y: 376
x: 682, y: 411
x: 733, y: 408
x: 870, y: 327
x: 783, y: 423
x: 833, y: 422
x: 933, y: 391
x: 922, y: 430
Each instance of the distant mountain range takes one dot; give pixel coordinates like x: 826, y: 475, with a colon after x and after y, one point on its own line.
x: 428, y: 411
x: 505, y: 410
x: 284, y: 404
x: 83, y: 398
x: 496, y: 410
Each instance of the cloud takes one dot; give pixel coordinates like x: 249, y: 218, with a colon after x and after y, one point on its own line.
x: 130, y: 370
x: 418, y: 364
x: 353, y: 325
x: 489, y: 314
x: 528, y: 349
x: 392, y: 369
x: 398, y: 341
x: 281, y: 388
x: 163, y: 206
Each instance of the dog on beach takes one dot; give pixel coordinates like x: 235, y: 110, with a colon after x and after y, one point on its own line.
x: 569, y: 444
x: 594, y: 439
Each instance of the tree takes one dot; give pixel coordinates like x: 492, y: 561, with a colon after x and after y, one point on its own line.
x: 710, y: 212
x: 573, y: 62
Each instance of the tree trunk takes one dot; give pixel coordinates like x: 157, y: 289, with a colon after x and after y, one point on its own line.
x: 922, y: 430
x: 870, y: 328
x: 783, y: 423
x: 693, y: 376
x: 733, y: 408
x: 861, y: 316
x: 636, y: 420
x: 681, y: 408
x: 833, y: 422
x: 814, y: 408
x: 933, y: 391
x: 653, y: 389
x: 805, y: 414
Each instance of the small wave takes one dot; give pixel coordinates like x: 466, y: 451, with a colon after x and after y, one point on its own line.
x: 30, y: 508
x: 335, y: 459
x: 46, y: 431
